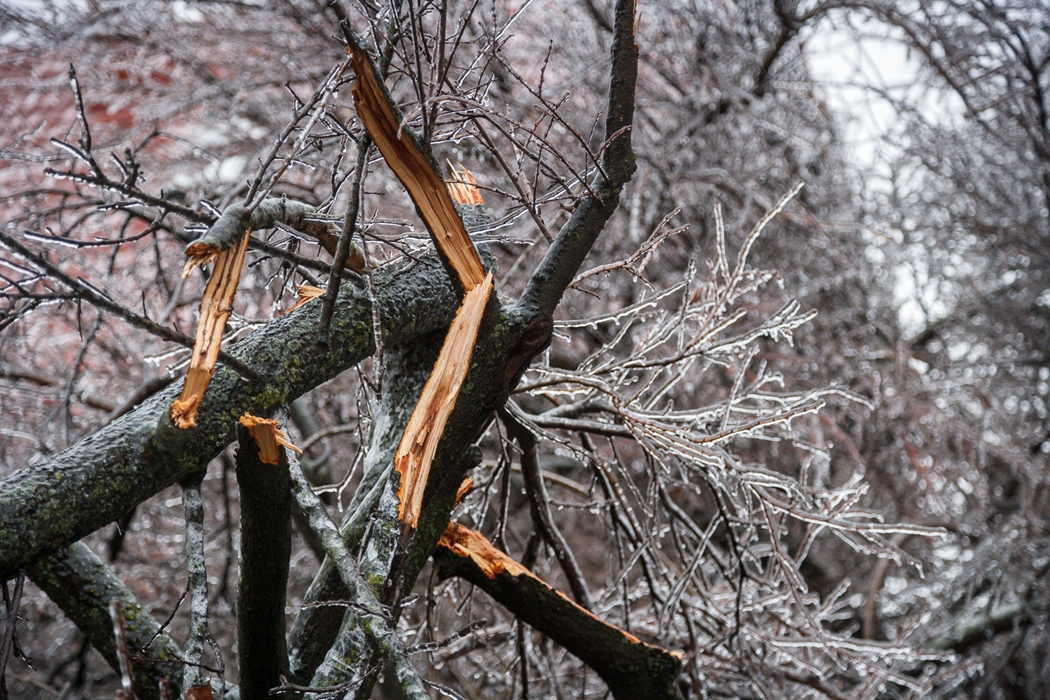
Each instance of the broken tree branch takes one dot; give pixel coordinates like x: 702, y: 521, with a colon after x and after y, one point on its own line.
x: 414, y: 166
x: 427, y: 424
x: 216, y: 306
x: 266, y: 545
x: 633, y: 669
x: 127, y: 461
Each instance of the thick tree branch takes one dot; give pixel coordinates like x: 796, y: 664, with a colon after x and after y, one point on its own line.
x: 406, y: 371
x: 83, y: 587
x: 193, y: 677
x: 368, y: 613
x: 632, y: 669
x: 266, y: 545
x: 58, y: 500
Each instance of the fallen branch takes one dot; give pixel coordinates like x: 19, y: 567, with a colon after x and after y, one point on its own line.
x: 633, y: 669
x: 216, y: 306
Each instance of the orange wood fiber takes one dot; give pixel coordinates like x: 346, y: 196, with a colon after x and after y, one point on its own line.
x: 415, y: 172
x: 216, y: 305
x: 493, y: 562
x: 306, y: 292
x: 463, y: 187
x: 427, y: 423
x: 268, y: 437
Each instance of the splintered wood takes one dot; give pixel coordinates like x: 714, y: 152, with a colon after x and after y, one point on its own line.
x: 427, y: 423
x: 415, y: 171
x: 471, y: 544
x: 268, y: 437
x: 306, y: 292
x: 463, y: 490
x: 630, y: 667
x: 463, y: 187
x: 216, y: 306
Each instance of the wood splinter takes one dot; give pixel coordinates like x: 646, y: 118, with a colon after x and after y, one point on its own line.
x: 427, y: 423
x: 307, y: 292
x: 437, y: 202
x: 268, y: 437
x: 216, y: 305
x: 415, y: 171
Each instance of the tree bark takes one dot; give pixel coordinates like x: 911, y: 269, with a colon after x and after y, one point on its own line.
x: 79, y: 583
x: 59, y: 500
x: 632, y: 669
x: 266, y: 545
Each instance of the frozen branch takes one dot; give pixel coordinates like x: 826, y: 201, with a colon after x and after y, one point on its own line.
x: 83, y: 587
x: 542, y: 518
x: 577, y: 236
x: 375, y: 619
x: 196, y: 584
x: 631, y: 668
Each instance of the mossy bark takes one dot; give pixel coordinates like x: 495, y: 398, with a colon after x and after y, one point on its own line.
x: 79, y: 583
x: 405, y: 372
x: 59, y: 500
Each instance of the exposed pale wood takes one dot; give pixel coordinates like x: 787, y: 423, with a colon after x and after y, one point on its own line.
x: 414, y: 454
x: 199, y: 692
x: 463, y: 490
x: 463, y: 187
x: 268, y: 437
x: 471, y: 544
x: 414, y: 170
x: 493, y: 562
x: 216, y: 306
x: 306, y: 293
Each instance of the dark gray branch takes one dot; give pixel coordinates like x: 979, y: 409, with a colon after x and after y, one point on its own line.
x: 79, y: 583
x: 539, y: 502
x: 577, y: 236
x: 266, y: 545
x: 631, y: 668
x: 59, y: 500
